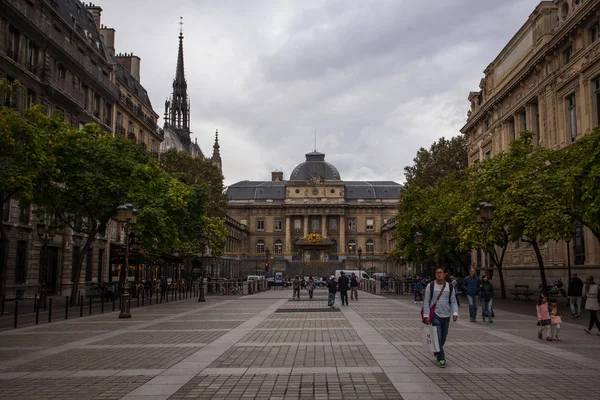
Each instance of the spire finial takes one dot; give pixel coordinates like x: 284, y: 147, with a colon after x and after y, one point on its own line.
x: 180, y: 26
x: 216, y: 157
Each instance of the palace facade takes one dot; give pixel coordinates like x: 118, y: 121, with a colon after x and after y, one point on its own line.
x: 545, y: 80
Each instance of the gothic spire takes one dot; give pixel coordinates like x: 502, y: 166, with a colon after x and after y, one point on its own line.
x: 179, y: 113
x: 216, y: 157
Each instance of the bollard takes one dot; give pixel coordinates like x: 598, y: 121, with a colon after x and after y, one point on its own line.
x: 113, y: 302
x: 90, y: 313
x: 50, y: 310
x: 143, y: 295
x: 173, y: 295
x: 138, y: 299
x: 37, y: 310
x: 377, y: 287
x: 246, y: 288
x: 166, y: 295
x: 80, y: 306
x: 35, y: 303
x: 150, y: 300
x: 78, y: 296
x: 16, y: 312
x: 102, y: 304
x: 2, y: 306
x: 67, y: 308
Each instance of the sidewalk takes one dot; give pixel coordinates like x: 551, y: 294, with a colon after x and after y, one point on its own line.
x: 266, y: 346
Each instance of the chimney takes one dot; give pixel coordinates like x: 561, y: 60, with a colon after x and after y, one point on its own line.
x: 108, y: 39
x: 96, y: 12
x: 277, y: 176
x: 131, y: 63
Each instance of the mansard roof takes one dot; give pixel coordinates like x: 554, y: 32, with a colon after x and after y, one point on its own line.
x: 133, y: 84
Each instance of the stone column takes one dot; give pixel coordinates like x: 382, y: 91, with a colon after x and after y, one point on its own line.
x: 288, y: 235
x: 324, y: 225
x: 342, y: 244
x: 305, y: 225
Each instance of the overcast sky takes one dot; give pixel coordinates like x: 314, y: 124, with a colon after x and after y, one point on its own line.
x: 376, y: 79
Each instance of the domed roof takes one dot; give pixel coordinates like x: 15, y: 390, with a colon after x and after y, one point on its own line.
x: 315, y: 166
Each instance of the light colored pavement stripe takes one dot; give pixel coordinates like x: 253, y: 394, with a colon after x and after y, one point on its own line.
x: 296, y: 344
x: 389, y: 358
x: 8, y: 364
x: 164, y: 384
x: 143, y: 346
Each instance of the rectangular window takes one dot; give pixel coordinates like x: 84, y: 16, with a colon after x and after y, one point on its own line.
x: 594, y: 30
x: 29, y: 99
x: 74, y: 262
x: 536, y: 123
x: 62, y: 72
x: 13, y: 44
x: 297, y: 225
x: 597, y: 101
x: 488, y: 155
x: 370, y: 225
x: 567, y: 55
x: 572, y: 114
x: 522, y: 121
x: 24, y: 212
x: 88, y: 265
x: 315, y: 224
x: 512, y: 130
x: 351, y: 224
x: 579, y: 245
x: 278, y: 224
x: 21, y: 264
x: 260, y: 224
x: 333, y: 225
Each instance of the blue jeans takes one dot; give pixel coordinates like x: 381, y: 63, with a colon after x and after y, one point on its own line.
x: 331, y: 299
x: 486, y: 308
x: 441, y: 325
x: 472, y: 306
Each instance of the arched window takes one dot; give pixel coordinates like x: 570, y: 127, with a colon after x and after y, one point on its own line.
x: 370, y: 246
x: 260, y: 247
x: 278, y: 247
x: 352, y: 247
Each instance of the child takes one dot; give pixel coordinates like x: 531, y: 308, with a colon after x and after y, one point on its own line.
x: 543, y: 314
x: 556, y: 320
x: 417, y: 289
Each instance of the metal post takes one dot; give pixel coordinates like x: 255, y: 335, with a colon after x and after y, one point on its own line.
x: 16, y: 312
x: 90, y: 311
x: 67, y: 308
x: 37, y: 310
x: 102, y: 304
x: 138, y: 299
x: 113, y: 302
x: 143, y: 295
x: 201, y: 298
x: 2, y: 306
x: 50, y: 310
x: 81, y: 306
x: 150, y: 299
x: 125, y: 312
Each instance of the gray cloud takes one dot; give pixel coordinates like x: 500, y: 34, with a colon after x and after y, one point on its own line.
x: 376, y: 79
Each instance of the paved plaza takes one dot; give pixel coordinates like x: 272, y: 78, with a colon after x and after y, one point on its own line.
x: 265, y: 346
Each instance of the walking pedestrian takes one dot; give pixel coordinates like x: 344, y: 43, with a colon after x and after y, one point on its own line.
x: 354, y: 287
x: 332, y: 285
x: 439, y: 294
x: 555, y: 321
x: 297, y: 283
x: 343, y: 288
x: 471, y: 286
x: 543, y: 314
x: 575, y: 291
x: 486, y: 292
x: 310, y: 286
x: 417, y: 290
x: 590, y: 293
x: 454, y: 283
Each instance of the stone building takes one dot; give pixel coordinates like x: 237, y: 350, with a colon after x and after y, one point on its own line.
x: 282, y: 214
x: 546, y: 80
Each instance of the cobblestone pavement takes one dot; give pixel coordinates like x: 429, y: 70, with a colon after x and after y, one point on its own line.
x: 266, y: 346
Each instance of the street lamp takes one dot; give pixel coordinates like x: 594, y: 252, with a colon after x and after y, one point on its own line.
x: 46, y: 235
x: 127, y: 216
x: 419, y: 241
x: 360, y: 262
x: 485, y: 214
x: 201, y: 297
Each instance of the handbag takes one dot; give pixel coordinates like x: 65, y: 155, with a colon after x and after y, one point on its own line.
x: 430, y: 340
x: 432, y: 307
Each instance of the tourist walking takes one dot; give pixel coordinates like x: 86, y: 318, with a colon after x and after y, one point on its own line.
x: 439, y: 294
x: 454, y: 283
x: 310, y: 286
x: 575, y: 291
x: 354, y: 287
x: 555, y: 321
x: 471, y: 285
x: 332, y: 285
x: 590, y: 293
x: 297, y: 283
x: 543, y: 314
x: 486, y: 291
x: 417, y: 290
x: 343, y: 285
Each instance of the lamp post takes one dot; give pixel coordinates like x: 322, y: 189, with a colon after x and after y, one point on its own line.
x: 201, y: 297
x: 360, y: 262
x: 267, y: 254
x: 127, y: 216
x: 419, y: 241
x: 485, y: 215
x: 46, y: 235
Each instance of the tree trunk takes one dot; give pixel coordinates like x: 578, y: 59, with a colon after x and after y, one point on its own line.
x: 498, y: 262
x: 3, y: 249
x: 540, y: 260
x: 82, y: 254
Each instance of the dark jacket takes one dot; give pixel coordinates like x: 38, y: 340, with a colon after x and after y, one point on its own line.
x: 471, y: 285
x: 575, y: 287
x: 354, y: 281
x: 333, y: 286
x: 487, y: 291
x: 343, y: 283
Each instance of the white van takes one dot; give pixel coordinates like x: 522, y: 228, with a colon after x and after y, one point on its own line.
x: 255, y: 277
x: 348, y: 272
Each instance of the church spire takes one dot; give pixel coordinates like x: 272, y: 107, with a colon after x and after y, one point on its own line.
x: 216, y: 157
x: 178, y: 105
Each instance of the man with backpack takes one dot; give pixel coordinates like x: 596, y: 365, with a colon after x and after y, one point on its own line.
x: 332, y: 285
x: 354, y: 287
x: 471, y: 285
x: 439, y: 305
x: 343, y: 288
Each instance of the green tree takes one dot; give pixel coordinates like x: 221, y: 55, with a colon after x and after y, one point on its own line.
x: 95, y: 173
x: 23, y: 156
x: 443, y: 158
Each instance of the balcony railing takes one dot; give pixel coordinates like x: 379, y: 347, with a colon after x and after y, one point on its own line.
x: 120, y: 129
x: 131, y: 136
x: 65, y: 87
x: 137, y: 110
